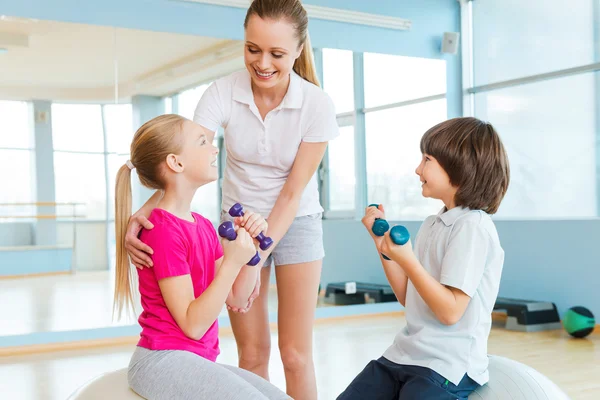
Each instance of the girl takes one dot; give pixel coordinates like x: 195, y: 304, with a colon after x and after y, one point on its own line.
x: 184, y: 293
x: 277, y: 122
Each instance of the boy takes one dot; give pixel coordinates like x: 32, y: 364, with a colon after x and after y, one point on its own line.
x: 450, y: 282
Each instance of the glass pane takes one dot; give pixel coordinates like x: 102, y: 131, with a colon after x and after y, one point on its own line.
x: 338, y: 78
x: 515, y: 38
x: 77, y: 127
x: 168, y: 105
x: 393, y: 154
x: 20, y: 180
x: 342, y: 177
x: 551, y: 144
x: 80, y: 178
x: 206, y: 200
x: 119, y: 127
x: 392, y: 79
x: 115, y: 162
x: 188, y: 100
x: 15, y: 125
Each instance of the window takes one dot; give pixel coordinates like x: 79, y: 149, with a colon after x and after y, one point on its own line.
x: 338, y: 78
x: 548, y: 123
x: 118, y: 120
x: 19, y: 184
x: 551, y: 144
x: 514, y: 38
x: 15, y: 125
x: 168, y: 105
x: 79, y: 173
x: 77, y: 127
x: 393, y: 134
x: 16, y: 156
x: 393, y: 154
x: 188, y: 100
x: 80, y: 178
x: 342, y: 174
x: 392, y: 79
x: 114, y: 163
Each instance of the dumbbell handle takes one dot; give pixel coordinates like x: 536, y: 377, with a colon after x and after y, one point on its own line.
x: 380, y: 227
x: 399, y: 234
x: 227, y: 231
x: 237, y: 210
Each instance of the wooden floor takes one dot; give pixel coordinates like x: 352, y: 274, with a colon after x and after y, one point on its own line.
x: 56, y: 303
x: 342, y: 348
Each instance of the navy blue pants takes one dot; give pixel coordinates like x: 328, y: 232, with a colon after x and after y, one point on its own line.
x: 384, y: 380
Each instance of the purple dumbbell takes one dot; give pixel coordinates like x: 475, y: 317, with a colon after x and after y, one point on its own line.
x: 227, y: 231
x: 237, y: 210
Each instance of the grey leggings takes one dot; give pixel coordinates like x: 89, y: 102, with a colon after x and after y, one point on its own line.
x: 175, y: 374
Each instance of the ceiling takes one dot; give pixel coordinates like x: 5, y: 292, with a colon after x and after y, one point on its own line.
x: 78, y: 62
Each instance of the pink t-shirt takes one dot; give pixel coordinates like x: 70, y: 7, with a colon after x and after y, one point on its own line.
x: 180, y: 247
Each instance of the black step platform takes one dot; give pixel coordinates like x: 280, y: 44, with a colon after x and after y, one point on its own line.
x: 344, y: 293
x: 529, y: 315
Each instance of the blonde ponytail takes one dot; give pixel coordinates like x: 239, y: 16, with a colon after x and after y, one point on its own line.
x: 123, y: 280
x: 151, y: 145
x: 305, y: 64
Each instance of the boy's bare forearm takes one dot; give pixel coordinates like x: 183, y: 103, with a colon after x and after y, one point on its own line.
x: 397, y: 279
x: 438, y: 297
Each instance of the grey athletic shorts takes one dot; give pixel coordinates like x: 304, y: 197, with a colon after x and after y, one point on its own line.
x: 302, y: 243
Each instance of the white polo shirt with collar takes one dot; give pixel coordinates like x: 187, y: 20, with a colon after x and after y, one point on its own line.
x: 459, y: 248
x: 260, y: 154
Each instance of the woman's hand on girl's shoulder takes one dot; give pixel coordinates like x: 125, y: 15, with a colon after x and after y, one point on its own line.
x: 138, y: 251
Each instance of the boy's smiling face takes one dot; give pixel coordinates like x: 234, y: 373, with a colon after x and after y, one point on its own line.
x: 435, y: 182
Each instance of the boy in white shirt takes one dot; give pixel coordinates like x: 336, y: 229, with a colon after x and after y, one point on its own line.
x: 450, y: 282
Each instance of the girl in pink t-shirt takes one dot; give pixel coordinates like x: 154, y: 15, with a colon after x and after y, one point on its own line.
x: 193, y: 272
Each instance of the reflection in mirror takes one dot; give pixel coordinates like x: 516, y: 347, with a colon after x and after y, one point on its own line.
x: 71, y: 96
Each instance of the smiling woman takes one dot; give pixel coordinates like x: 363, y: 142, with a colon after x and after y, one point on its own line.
x: 269, y: 51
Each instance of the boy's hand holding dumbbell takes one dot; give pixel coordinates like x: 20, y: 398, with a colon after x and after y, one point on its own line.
x: 374, y: 213
x: 396, y: 245
x: 392, y: 244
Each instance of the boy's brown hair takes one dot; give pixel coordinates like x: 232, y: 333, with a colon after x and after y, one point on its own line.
x: 473, y: 156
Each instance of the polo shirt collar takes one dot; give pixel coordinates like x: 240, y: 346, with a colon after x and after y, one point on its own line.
x: 450, y: 217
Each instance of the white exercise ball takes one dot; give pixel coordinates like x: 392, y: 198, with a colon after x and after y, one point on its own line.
x: 112, y: 385
x: 511, y: 380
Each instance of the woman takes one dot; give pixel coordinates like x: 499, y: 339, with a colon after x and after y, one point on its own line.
x: 277, y: 122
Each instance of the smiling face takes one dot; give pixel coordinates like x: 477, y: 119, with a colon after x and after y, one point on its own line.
x: 270, y: 51
x: 199, y: 155
x: 435, y: 182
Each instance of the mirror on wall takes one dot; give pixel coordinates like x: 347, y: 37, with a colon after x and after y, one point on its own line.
x: 71, y: 96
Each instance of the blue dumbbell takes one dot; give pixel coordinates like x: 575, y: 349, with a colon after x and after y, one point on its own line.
x: 399, y: 234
